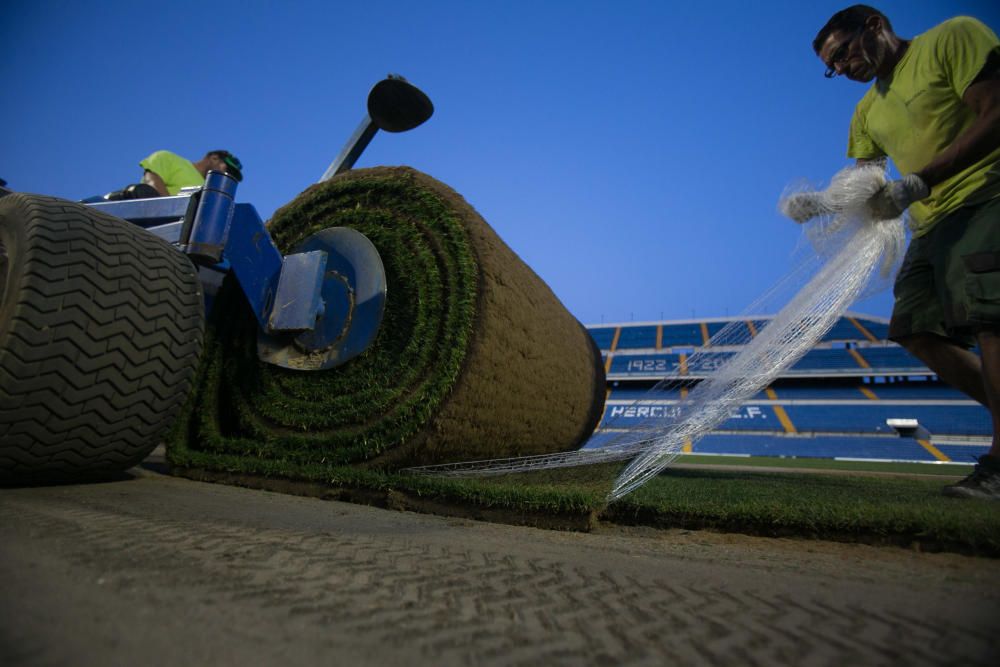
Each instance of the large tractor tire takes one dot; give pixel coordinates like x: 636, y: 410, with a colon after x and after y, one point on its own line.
x: 101, y: 327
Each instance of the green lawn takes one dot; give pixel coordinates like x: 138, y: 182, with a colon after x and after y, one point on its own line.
x: 895, y: 510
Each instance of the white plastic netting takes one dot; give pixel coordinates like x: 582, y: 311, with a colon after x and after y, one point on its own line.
x: 847, y: 255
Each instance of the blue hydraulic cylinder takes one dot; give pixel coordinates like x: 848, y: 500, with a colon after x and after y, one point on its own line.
x: 209, y: 232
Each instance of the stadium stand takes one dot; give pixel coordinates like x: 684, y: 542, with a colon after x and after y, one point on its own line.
x: 918, y: 391
x: 836, y: 402
x: 683, y: 335
x: 891, y: 359
x: 827, y: 360
x: 637, y: 338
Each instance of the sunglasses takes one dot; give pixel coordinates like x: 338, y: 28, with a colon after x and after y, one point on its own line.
x: 841, y: 53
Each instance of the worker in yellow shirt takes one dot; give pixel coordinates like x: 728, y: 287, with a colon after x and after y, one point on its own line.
x: 933, y: 108
x: 168, y: 172
x: 165, y: 173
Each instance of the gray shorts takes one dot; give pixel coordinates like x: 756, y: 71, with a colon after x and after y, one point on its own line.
x: 949, y: 283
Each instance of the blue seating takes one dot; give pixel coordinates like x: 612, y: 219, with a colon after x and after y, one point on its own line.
x: 891, y: 448
x: 750, y: 417
x: 887, y: 448
x: 827, y: 395
x: 682, y: 335
x: 891, y: 358
x: 963, y: 453
x: 844, y: 329
x: 736, y: 332
x: 792, y: 392
x: 603, y: 336
x: 635, y: 337
x: 601, y: 439
x: 836, y: 359
x: 878, y: 329
x: 670, y: 392
x: 925, y: 391
x: 634, y: 394
x: 871, y: 417
x: 867, y: 418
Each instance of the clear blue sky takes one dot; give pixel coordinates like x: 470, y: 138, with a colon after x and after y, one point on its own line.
x: 632, y: 153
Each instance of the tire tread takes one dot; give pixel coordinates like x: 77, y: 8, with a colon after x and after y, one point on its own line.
x: 100, y: 352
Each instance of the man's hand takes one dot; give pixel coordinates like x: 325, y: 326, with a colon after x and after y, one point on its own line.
x: 804, y: 206
x: 896, y: 196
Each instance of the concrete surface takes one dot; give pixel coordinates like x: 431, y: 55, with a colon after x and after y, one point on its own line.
x: 155, y: 570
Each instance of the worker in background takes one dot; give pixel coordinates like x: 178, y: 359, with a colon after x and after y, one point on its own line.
x: 165, y: 173
x: 168, y: 172
x: 934, y: 110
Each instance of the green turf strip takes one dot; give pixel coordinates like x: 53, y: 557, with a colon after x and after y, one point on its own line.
x: 892, y: 510
x: 879, y: 510
x: 889, y: 509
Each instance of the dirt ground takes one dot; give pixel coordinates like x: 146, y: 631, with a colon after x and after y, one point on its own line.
x: 156, y: 570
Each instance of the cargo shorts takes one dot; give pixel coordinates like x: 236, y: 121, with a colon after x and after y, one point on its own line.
x: 949, y: 282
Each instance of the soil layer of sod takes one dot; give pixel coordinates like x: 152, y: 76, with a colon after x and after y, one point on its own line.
x: 475, y: 358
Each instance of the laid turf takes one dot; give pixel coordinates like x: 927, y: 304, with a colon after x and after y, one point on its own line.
x: 843, y: 507
x: 902, y: 511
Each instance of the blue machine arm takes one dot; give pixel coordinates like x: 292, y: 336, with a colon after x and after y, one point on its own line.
x: 317, y: 307
x: 216, y: 232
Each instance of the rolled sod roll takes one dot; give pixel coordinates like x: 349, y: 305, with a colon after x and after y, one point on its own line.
x: 475, y: 358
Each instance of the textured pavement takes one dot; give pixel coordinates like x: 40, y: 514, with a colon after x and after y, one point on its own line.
x: 156, y: 570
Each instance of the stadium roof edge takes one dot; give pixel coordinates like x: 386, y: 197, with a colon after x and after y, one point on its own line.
x: 731, y: 318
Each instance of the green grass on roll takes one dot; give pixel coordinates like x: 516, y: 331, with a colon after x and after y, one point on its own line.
x: 476, y: 357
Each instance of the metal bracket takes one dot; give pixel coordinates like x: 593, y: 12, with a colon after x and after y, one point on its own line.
x: 298, y: 300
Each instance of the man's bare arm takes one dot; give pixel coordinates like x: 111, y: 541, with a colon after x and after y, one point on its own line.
x: 152, y: 178
x: 979, y: 139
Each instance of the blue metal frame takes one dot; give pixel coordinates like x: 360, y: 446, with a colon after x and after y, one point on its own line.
x: 200, y: 223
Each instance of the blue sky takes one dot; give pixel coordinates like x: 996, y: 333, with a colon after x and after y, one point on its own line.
x: 632, y: 153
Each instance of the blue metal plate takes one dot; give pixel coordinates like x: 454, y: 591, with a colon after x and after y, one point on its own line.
x: 353, y: 294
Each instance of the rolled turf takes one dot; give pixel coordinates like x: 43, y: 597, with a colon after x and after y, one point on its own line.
x: 476, y: 357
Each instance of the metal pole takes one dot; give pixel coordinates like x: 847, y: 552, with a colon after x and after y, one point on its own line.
x: 351, y: 151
